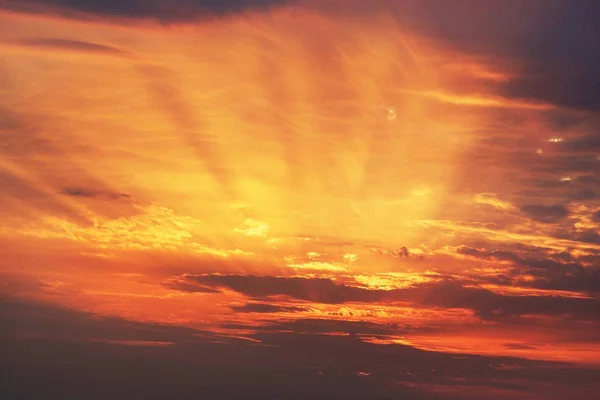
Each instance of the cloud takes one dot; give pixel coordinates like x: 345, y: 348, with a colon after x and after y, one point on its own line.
x: 489, y: 305
x: 161, y: 10
x: 25, y: 198
x: 60, y: 343
x: 590, y: 236
x: 11, y: 283
x: 541, y: 269
x: 35, y: 318
x: 555, y: 61
x: 319, y: 290
x: 545, y: 213
x: 264, y: 308
x: 68, y: 45
x: 588, y: 143
x: 37, y: 164
x: 399, y: 253
x: 471, y: 100
x: 93, y: 194
x: 182, y: 283
x: 325, y: 326
x: 446, y: 294
x: 519, y: 346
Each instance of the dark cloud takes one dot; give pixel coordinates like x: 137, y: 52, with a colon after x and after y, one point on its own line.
x: 518, y: 346
x: 561, y: 67
x: 71, y: 45
x: 54, y: 352
x: 590, y: 236
x: 489, y: 305
x: 185, y: 286
x: 324, y: 326
x: 445, y: 294
x: 580, y: 279
x: 19, y: 283
x: 544, y: 269
x: 551, y: 43
x: 551, y: 174
x: 588, y: 143
x: 161, y: 10
x: 397, y: 253
x: 186, y: 283
x: 406, y: 364
x: 31, y: 318
x: 543, y: 213
x: 93, y: 194
x: 266, y: 308
x: 320, y: 290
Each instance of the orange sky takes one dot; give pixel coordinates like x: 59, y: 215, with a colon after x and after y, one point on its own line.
x: 293, y: 165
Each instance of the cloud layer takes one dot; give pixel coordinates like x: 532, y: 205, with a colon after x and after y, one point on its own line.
x: 378, y: 199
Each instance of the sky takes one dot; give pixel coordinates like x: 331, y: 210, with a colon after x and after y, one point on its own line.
x: 300, y: 198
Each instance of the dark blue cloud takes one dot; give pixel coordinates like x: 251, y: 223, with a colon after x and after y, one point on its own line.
x: 554, y: 43
x: 163, y: 10
x: 563, y: 58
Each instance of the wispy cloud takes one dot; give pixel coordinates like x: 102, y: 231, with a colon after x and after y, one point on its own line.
x: 265, y: 308
x: 93, y: 194
x: 54, y: 45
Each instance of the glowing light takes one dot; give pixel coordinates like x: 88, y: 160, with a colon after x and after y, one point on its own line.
x: 391, y: 114
x: 389, y: 281
x: 319, y: 266
x: 421, y: 192
x: 492, y: 200
x: 341, y: 146
x: 254, y: 228
x: 350, y: 257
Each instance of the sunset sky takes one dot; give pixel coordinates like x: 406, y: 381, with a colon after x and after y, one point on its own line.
x: 292, y: 199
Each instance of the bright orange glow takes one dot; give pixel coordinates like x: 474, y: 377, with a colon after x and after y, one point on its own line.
x: 255, y: 170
